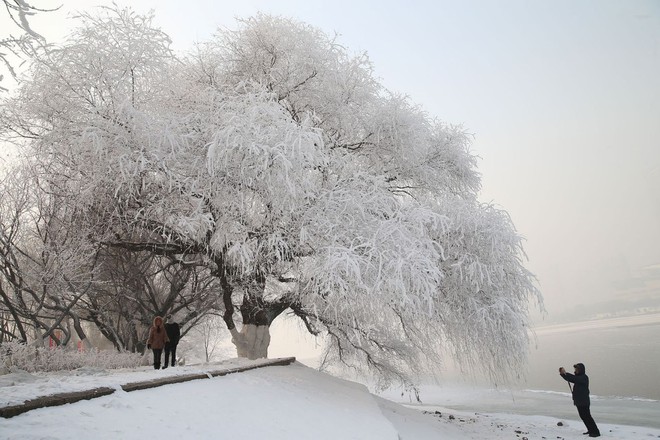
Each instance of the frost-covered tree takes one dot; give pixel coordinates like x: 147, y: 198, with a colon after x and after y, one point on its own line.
x: 52, y: 278
x: 134, y: 287
x: 45, y: 269
x: 273, y: 158
x: 205, y: 341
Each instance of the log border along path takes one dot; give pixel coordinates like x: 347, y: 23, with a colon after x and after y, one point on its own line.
x: 72, y: 397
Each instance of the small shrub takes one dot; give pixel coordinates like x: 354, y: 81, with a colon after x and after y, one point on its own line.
x: 30, y: 358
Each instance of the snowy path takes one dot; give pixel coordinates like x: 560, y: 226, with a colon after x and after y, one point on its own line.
x: 23, y: 391
x: 279, y: 405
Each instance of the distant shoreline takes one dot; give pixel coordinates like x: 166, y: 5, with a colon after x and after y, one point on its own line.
x: 619, y: 321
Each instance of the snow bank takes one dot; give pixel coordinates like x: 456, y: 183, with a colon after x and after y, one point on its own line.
x: 275, y: 403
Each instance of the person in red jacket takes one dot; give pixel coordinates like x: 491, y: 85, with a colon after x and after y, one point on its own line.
x: 157, y: 339
x: 580, y: 393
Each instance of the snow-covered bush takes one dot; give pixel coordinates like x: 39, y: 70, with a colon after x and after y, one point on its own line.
x: 32, y: 358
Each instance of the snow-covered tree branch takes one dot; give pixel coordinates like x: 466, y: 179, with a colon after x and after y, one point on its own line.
x: 15, y: 48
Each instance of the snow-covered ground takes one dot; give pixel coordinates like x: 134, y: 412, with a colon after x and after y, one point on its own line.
x: 290, y: 402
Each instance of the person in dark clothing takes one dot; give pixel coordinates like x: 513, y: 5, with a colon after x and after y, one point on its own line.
x: 581, y: 400
x: 173, y: 333
x: 157, y: 340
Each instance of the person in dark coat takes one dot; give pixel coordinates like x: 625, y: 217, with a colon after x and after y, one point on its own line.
x: 157, y: 340
x: 581, y: 400
x: 174, y: 334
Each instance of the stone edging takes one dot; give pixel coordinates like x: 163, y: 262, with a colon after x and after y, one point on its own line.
x: 72, y: 397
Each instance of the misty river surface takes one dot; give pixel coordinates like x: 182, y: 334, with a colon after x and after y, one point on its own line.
x: 621, y: 355
x: 622, y: 359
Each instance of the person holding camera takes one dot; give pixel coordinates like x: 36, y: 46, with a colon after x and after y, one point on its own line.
x: 580, y: 393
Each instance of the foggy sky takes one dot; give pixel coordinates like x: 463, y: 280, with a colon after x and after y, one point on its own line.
x: 562, y: 97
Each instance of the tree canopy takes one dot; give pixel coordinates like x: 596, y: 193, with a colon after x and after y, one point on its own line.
x: 273, y: 159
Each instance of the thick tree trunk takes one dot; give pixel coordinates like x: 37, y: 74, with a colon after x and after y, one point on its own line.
x: 252, y: 341
x: 86, y: 344
x: 254, y: 338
